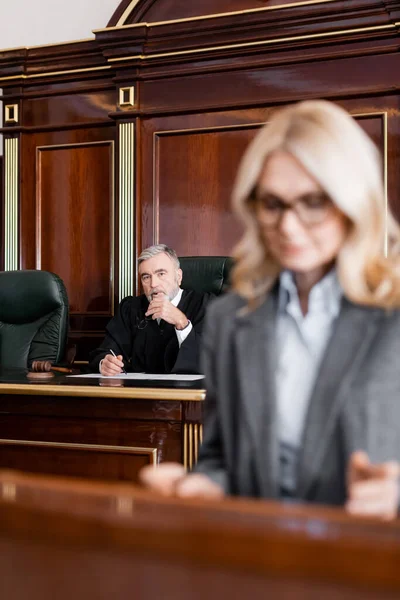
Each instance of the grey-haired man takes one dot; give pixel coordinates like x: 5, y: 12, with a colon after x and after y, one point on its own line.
x: 159, y: 331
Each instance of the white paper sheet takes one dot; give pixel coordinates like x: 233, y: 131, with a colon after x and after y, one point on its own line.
x: 143, y: 376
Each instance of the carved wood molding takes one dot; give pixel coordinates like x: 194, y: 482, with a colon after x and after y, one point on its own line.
x: 136, y: 11
x: 241, y: 38
x: 218, y: 36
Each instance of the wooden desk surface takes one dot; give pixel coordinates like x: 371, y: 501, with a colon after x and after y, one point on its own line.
x: 16, y: 382
x: 86, y: 540
x: 103, y: 390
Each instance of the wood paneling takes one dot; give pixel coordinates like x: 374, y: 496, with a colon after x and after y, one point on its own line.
x: 66, y: 215
x: 165, y: 436
x: 195, y: 171
x: 101, y: 437
x: 272, y: 85
x: 68, y: 109
x: 77, y: 460
x: 75, y: 203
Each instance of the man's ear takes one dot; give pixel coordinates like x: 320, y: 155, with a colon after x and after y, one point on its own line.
x: 179, y: 275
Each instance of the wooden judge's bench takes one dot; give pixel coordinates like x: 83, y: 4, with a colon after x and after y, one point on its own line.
x: 97, y: 428
x: 87, y: 541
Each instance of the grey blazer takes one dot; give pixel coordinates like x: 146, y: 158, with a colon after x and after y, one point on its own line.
x: 355, y: 404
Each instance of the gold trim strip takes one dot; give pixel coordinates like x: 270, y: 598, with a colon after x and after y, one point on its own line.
x: 103, y: 391
x: 385, y: 183
x: 11, y: 216
x: 206, y: 129
x: 70, y: 71
x: 11, y: 113
x: 58, y: 44
x: 196, y: 442
x: 129, y: 9
x: 130, y: 101
x: 192, y: 438
x: 156, y: 181
x: 255, y: 44
x: 126, y: 225
x: 185, y: 445
x: 72, y: 144
x: 190, y: 428
x: 152, y: 452
x: 125, y: 14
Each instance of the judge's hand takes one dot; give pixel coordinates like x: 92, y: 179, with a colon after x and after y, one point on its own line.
x: 171, y: 479
x: 372, y: 489
x: 111, y: 365
x: 161, y: 307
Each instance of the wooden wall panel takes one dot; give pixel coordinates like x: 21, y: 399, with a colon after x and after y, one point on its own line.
x: 68, y: 109
x: 30, y: 142
x: 68, y: 180
x: 102, y: 436
x: 77, y: 460
x: 374, y: 125
x: 75, y: 221
x: 195, y: 171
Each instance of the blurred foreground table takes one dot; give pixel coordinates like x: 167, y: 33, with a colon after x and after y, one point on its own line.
x: 71, y: 540
x: 97, y: 428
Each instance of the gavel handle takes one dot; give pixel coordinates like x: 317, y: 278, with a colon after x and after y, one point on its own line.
x: 61, y: 370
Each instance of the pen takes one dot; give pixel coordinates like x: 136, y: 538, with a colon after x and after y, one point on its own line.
x: 113, y: 353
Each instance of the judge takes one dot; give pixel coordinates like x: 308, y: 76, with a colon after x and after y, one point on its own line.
x: 159, y: 331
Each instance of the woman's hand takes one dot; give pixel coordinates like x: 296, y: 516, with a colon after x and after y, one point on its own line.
x: 372, y: 489
x: 171, y: 479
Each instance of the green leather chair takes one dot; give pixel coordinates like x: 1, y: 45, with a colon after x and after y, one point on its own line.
x: 206, y: 273
x: 33, y: 318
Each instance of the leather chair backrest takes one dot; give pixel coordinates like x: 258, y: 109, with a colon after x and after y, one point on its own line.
x: 33, y: 318
x: 206, y: 273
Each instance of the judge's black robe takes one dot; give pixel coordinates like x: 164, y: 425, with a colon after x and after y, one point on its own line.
x: 149, y: 347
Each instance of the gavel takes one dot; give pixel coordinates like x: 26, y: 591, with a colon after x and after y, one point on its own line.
x: 46, y: 366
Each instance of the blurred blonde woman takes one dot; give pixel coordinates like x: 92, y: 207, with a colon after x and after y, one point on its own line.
x: 302, y: 357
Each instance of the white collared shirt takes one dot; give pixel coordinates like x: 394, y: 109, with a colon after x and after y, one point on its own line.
x: 301, y: 343
x: 181, y: 334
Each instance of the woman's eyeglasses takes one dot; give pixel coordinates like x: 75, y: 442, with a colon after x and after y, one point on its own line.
x: 310, y: 209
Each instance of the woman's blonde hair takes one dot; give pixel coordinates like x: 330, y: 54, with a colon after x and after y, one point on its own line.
x: 334, y: 149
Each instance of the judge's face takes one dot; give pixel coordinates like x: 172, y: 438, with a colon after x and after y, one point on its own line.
x: 300, y: 225
x: 159, y: 275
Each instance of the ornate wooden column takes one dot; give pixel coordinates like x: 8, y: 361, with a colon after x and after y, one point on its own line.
x: 126, y: 209
x: 11, y: 217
